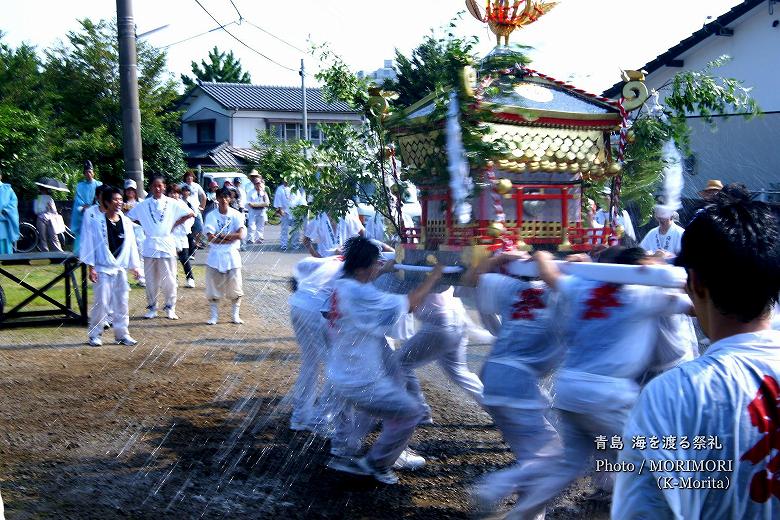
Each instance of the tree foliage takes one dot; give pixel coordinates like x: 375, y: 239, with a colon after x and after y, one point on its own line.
x: 71, y: 109
x: 435, y: 63
x: 689, y: 93
x: 220, y: 67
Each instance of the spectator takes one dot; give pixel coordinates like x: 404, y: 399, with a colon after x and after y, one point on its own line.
x: 196, y: 200
x: 666, y: 238
x: 710, y: 191
x: 48, y: 220
x: 258, y: 202
x: 9, y: 219
x: 85, y: 197
x: 182, y: 234
x: 723, y: 404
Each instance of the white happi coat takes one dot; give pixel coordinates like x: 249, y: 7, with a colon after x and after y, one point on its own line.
x: 98, y: 255
x: 328, y: 240
x: 722, y: 412
x: 671, y: 241
x: 157, y: 217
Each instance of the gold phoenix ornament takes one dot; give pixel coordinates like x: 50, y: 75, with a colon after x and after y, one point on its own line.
x: 504, y: 16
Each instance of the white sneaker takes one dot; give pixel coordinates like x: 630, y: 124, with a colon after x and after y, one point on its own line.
x: 191, y: 283
x: 385, y: 476
x: 171, y: 314
x: 127, y: 341
x: 151, y: 313
x: 409, y: 460
x: 95, y: 342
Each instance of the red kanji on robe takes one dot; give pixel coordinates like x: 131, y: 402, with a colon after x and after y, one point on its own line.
x: 765, y: 416
x: 528, y: 300
x: 601, y: 298
x: 333, y: 313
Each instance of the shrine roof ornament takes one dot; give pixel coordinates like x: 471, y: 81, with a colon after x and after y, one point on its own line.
x: 504, y: 16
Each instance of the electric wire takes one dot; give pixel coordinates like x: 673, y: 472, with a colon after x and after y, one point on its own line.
x: 222, y: 26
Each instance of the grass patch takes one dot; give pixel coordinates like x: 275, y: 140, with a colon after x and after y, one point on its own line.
x: 37, y: 276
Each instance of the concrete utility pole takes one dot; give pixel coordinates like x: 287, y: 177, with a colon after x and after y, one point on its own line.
x: 128, y: 81
x: 303, y: 92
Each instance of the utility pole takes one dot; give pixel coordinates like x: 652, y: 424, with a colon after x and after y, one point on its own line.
x: 303, y: 93
x: 128, y: 81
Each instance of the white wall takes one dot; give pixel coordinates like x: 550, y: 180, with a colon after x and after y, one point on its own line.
x: 213, y: 111
x: 738, y: 150
x: 246, y: 123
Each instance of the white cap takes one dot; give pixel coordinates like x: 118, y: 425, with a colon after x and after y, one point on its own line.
x: 663, y: 211
x: 130, y: 183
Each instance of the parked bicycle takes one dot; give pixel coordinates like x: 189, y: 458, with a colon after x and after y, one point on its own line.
x: 29, y: 238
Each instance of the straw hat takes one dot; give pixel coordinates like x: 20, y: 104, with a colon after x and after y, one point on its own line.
x: 712, y: 185
x: 254, y: 173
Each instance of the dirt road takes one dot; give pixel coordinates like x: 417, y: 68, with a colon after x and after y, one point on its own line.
x: 191, y: 423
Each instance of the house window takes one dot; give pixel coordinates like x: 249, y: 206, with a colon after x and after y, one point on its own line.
x: 315, y: 134
x: 206, y: 132
x: 291, y: 131
x: 294, y: 131
x: 277, y: 130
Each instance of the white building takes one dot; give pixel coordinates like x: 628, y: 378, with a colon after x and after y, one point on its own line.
x: 379, y: 76
x: 221, y: 120
x: 736, y: 150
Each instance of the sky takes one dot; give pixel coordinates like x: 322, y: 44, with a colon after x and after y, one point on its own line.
x: 583, y: 41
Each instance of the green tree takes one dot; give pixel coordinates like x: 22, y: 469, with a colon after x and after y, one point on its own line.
x: 699, y: 93
x: 221, y: 67
x: 82, y: 76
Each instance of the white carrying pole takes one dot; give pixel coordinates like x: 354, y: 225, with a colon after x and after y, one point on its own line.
x: 650, y: 275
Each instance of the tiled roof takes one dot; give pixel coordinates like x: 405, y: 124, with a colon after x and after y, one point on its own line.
x: 710, y: 29
x: 240, y: 96
x: 223, y: 154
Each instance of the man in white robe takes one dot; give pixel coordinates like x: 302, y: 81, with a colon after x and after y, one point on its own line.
x: 158, y: 215
x: 721, y: 410
x: 257, y: 203
x: 110, y: 251
x: 224, y: 229
x: 610, y: 335
x: 360, y: 316
x: 666, y: 238
x: 325, y: 235
x: 528, y: 347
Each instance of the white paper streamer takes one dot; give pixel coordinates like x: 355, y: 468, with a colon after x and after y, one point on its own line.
x: 458, y: 167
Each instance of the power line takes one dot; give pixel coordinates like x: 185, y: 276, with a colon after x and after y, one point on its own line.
x: 221, y: 26
x: 274, y: 36
x: 201, y: 34
x: 240, y: 18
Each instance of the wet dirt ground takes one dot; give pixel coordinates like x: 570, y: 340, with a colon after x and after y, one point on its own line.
x: 192, y: 423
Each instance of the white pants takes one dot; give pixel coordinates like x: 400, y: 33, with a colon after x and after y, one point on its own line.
x: 534, y: 443
x: 285, y: 237
x: 384, y: 400
x: 447, y: 346
x: 257, y: 220
x: 160, y: 278
x: 312, y: 404
x: 543, y: 480
x: 224, y: 285
x: 111, y: 294
x: 139, y: 242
